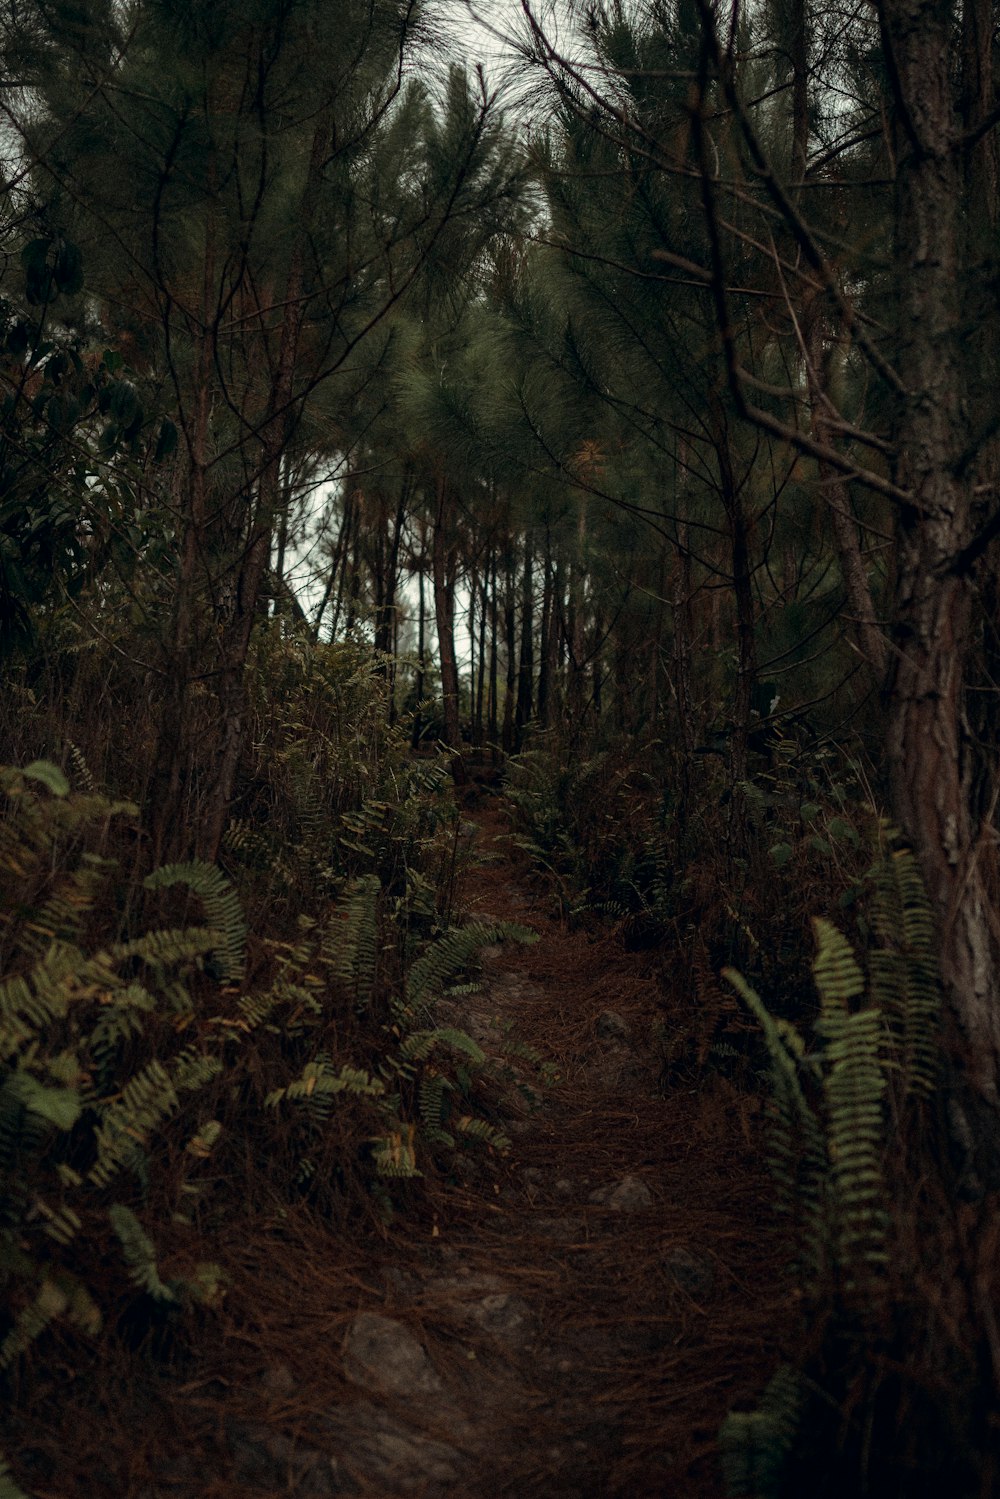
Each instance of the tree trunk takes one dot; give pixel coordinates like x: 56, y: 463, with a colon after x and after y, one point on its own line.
x: 544, y: 672
x: 444, y: 615
x: 238, y: 625
x: 933, y: 766
x: 477, y: 723
x: 510, y: 631
x: 865, y: 625
x: 418, y: 726
x: 493, y: 710
x: 525, y: 674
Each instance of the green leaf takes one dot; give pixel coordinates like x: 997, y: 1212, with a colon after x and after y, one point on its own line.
x: 60, y: 1106
x: 49, y: 775
x: 780, y: 854
x: 838, y: 827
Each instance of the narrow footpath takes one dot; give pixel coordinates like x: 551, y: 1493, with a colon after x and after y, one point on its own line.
x: 574, y: 1318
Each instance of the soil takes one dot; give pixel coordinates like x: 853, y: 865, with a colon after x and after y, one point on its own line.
x: 575, y: 1317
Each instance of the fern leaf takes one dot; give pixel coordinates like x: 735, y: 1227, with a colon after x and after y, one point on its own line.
x: 450, y: 954
x: 836, y: 970
x: 140, y: 1254
x: 129, y: 1120
x: 221, y: 905
x: 395, y: 1154
x: 755, y: 1445
x: 419, y: 1045
x: 9, y: 1489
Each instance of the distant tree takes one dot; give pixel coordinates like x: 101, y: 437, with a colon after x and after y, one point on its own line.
x: 247, y: 184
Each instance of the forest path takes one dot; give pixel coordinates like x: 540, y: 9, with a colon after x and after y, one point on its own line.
x: 574, y: 1318
x: 577, y: 1318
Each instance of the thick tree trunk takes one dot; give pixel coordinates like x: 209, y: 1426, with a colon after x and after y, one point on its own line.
x: 934, y: 769
x: 169, y: 814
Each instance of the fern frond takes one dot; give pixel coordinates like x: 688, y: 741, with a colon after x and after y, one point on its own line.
x: 798, y: 1155
x: 349, y: 946
x: 755, y: 1445
x: 433, y: 1088
x: 192, y: 1069
x: 221, y: 905
x: 854, y: 1085
x: 120, y: 1019
x: 127, y: 1122
x: 167, y: 947
x: 59, y: 1297
x: 317, y: 1087
x: 395, y: 1154
x: 9, y: 1489
x: 835, y: 968
x: 80, y: 766
x: 449, y: 955
x: 482, y: 1132
x: 419, y: 1045
x: 905, y: 978
x: 139, y: 1252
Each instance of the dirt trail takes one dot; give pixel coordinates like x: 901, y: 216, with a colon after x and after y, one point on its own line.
x: 573, y: 1319
x: 580, y: 1323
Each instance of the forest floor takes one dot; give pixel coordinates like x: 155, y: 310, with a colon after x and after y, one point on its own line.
x: 573, y: 1318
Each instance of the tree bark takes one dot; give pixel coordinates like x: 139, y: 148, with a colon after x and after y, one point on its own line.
x: 510, y: 632
x: 866, y: 627
x: 444, y: 615
x: 933, y: 764
x: 237, y: 624
x: 525, y: 673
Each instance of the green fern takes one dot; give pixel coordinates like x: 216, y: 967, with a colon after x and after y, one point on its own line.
x: 433, y: 1097
x: 128, y: 1121
x: 205, y: 1286
x: 80, y: 766
x: 9, y: 1489
x: 798, y: 1150
x: 854, y: 1084
x: 222, y: 908
x: 349, y: 946
x: 418, y: 1045
x: 319, y: 1084
x: 60, y: 1298
x: 904, y: 970
x: 482, y: 1133
x: 140, y: 1254
x: 755, y: 1445
x: 454, y: 952
x: 395, y: 1154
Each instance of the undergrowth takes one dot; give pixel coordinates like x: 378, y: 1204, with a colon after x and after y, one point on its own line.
x: 183, y: 1045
